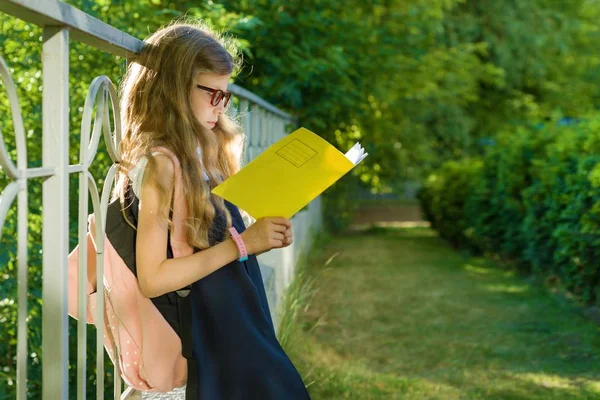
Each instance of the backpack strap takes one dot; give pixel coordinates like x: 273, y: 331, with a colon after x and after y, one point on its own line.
x: 180, y: 209
x: 179, y: 248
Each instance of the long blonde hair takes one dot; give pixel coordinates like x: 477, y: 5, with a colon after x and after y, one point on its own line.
x: 156, y: 111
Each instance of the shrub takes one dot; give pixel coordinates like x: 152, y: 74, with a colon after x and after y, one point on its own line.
x: 533, y: 199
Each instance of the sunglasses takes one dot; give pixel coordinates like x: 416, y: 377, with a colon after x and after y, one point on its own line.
x: 217, y: 95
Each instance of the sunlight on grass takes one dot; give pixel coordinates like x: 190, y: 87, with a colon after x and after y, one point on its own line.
x: 507, y: 288
x: 593, y: 385
x: 390, y: 224
x: 549, y: 381
x: 477, y: 270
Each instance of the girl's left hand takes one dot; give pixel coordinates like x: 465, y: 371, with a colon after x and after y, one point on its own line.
x: 288, y: 237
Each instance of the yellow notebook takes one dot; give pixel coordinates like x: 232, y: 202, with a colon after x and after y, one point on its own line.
x: 288, y: 175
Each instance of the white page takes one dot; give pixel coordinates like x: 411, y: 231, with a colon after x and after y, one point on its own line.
x: 356, y: 154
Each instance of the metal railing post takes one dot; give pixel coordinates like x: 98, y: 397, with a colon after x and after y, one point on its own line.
x: 55, y: 139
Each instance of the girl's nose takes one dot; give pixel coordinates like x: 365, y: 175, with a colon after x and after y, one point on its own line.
x: 219, y: 108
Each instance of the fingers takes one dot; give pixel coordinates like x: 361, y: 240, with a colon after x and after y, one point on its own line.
x: 287, y: 233
x: 278, y: 224
x: 279, y: 228
x: 282, y: 239
x: 288, y: 237
x: 280, y: 221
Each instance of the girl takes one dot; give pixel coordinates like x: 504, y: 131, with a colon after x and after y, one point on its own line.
x: 174, y: 95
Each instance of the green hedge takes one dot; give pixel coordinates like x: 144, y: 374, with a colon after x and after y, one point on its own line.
x: 532, y: 198
x: 443, y: 199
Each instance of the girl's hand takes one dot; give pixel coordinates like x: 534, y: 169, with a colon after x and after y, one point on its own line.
x: 288, y: 237
x: 267, y: 233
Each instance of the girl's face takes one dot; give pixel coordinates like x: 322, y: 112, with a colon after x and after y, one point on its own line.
x: 207, y: 114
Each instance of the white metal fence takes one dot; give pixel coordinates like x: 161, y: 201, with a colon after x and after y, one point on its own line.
x: 264, y: 124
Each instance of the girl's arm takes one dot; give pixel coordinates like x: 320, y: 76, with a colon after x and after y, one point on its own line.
x: 158, y: 275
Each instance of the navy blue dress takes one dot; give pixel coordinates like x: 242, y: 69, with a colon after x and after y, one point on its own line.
x: 235, y: 348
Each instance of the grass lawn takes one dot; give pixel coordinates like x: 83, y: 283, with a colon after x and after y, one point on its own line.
x: 398, y: 314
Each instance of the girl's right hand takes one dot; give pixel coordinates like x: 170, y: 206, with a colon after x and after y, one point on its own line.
x: 265, y: 234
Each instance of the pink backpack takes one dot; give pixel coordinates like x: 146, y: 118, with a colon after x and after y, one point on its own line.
x: 148, y: 350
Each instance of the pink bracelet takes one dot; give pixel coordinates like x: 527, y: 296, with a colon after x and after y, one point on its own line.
x: 239, y: 242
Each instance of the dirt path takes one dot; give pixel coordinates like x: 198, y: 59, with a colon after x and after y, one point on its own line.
x: 399, y: 214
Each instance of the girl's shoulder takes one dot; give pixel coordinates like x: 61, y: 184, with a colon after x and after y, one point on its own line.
x: 164, y: 170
